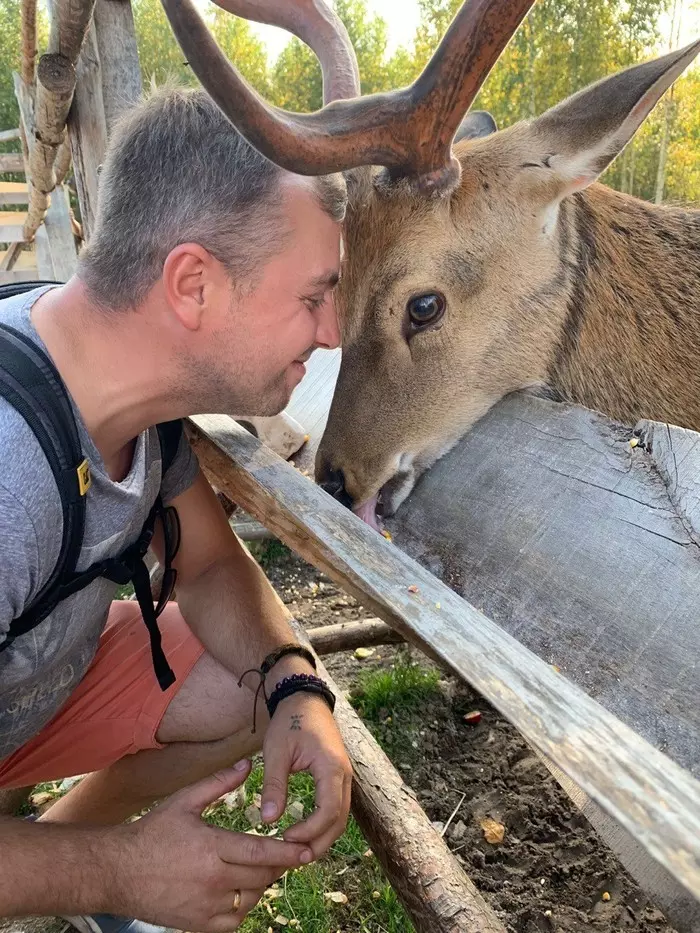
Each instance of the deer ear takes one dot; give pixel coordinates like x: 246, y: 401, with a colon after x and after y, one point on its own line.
x: 476, y: 123
x: 582, y: 135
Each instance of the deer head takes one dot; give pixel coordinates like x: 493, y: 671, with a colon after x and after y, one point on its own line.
x: 458, y: 278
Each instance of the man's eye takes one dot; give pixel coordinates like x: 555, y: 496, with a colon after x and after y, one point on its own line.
x: 313, y: 304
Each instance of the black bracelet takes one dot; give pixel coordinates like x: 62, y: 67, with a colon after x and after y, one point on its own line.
x: 300, y: 683
x: 268, y: 663
x: 281, y: 652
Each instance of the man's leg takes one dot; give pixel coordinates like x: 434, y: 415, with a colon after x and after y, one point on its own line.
x: 137, y: 743
x: 206, y: 727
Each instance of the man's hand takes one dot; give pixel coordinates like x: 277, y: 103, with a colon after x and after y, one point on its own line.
x: 173, y: 869
x: 303, y: 736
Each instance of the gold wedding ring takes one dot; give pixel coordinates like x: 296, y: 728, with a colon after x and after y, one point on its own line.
x: 236, y: 901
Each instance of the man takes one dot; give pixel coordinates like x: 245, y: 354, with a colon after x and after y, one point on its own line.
x: 206, y: 284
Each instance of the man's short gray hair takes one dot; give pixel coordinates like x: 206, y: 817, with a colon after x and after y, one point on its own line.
x: 176, y: 171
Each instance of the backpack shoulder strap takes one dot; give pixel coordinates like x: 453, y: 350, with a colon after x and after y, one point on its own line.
x: 169, y: 434
x: 31, y: 384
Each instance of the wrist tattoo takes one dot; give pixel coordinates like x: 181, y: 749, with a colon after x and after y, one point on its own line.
x: 296, y: 721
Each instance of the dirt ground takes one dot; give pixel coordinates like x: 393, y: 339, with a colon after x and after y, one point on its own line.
x: 551, y: 871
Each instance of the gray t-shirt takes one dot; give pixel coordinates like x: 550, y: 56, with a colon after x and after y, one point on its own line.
x: 39, y: 671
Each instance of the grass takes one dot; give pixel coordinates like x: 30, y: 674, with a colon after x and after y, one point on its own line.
x: 300, y: 897
x: 400, y: 689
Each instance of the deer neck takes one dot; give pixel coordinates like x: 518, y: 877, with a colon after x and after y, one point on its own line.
x: 630, y: 340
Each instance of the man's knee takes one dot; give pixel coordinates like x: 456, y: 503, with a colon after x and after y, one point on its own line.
x: 210, y: 706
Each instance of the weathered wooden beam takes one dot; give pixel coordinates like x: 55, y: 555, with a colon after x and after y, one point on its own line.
x: 653, y: 798
x: 7, y: 135
x: 119, y: 57
x: 10, y: 257
x: 346, y: 636
x: 69, y: 24
x: 38, y: 163
x: 11, y: 162
x: 28, y: 41
x: 87, y: 130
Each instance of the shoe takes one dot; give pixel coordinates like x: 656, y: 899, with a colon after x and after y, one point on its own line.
x: 106, y: 923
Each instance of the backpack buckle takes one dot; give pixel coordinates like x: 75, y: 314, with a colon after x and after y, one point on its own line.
x: 84, y: 477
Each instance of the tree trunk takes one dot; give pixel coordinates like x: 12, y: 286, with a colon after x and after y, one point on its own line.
x: 327, y: 639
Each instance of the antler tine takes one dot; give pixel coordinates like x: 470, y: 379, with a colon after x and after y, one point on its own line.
x: 316, y: 24
x: 409, y: 131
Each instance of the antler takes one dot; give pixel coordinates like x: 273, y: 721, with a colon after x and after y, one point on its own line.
x: 320, y: 28
x: 409, y: 131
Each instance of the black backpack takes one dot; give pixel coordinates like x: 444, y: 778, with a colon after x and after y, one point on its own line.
x: 31, y: 384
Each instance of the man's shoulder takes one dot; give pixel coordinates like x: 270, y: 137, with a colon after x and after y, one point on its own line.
x: 27, y: 479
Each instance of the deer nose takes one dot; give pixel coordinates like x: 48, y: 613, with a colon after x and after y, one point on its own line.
x: 333, y: 482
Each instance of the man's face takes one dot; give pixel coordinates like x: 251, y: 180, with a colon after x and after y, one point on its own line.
x: 261, y: 341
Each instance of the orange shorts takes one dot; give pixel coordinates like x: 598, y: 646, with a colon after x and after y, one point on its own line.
x: 117, y: 707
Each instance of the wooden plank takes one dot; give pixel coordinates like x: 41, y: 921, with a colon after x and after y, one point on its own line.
x: 13, y: 192
x: 550, y: 523
x: 87, y: 130
x: 7, y: 135
x: 11, y: 226
x: 656, y: 800
x: 18, y: 275
x: 11, y: 162
x: 42, y: 250
x: 10, y: 257
x: 64, y: 256
x: 119, y: 57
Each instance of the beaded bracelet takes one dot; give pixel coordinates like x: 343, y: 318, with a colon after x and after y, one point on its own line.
x: 268, y: 663
x: 300, y: 683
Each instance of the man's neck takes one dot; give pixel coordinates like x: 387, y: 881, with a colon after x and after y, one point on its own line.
x: 110, y: 362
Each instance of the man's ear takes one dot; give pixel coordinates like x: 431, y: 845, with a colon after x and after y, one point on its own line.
x: 186, y: 278
x: 579, y: 138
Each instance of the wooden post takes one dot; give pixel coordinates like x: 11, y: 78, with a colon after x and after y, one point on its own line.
x: 119, y: 57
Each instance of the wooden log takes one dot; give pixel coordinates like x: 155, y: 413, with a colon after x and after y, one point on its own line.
x: 28, y: 41
x: 657, y: 801
x: 13, y: 192
x: 7, y: 135
x: 10, y: 257
x: 346, y: 636
x: 11, y: 162
x: 59, y: 232
x: 62, y: 163
x: 69, y: 23
x: 38, y: 161
x: 119, y: 57
x: 431, y: 884
x: 87, y: 130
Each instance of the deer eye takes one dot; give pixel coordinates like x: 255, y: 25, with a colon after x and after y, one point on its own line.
x: 426, y: 309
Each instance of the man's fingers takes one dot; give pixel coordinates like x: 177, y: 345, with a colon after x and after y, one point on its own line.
x: 252, y: 877
x: 198, y: 796
x: 275, y: 778
x: 227, y: 919
x: 246, y: 849
x: 332, y: 805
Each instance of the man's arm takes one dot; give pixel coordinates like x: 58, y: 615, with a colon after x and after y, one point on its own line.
x: 230, y: 605
x: 222, y: 593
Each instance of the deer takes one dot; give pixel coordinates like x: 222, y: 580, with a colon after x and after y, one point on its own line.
x: 477, y: 262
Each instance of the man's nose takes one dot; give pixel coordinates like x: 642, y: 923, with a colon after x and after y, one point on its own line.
x: 333, y: 482
x: 328, y: 331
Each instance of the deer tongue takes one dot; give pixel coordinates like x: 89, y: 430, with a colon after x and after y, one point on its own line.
x: 368, y: 513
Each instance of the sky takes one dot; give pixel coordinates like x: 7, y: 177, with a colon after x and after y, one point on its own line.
x: 402, y: 18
